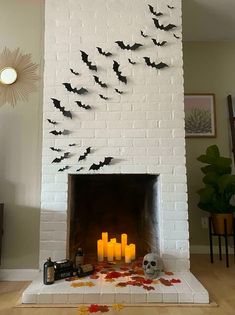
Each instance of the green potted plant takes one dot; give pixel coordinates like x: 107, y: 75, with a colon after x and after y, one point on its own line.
x: 215, y: 196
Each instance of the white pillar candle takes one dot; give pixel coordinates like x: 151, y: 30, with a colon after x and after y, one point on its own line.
x: 110, y: 251
x: 132, y: 247
x: 127, y: 254
x: 105, y: 242
x: 100, y: 250
x: 124, y: 243
x: 118, y: 251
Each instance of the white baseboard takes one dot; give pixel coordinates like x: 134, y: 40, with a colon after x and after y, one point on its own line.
x: 205, y: 249
x: 18, y: 274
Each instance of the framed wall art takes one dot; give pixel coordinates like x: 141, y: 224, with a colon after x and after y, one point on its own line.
x: 200, y: 115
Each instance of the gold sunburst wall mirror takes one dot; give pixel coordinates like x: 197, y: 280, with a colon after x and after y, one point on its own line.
x: 18, y: 76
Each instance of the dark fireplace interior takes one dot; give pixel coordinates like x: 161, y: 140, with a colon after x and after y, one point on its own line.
x: 115, y: 204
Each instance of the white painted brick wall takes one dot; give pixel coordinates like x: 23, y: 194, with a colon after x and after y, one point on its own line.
x: 143, y: 129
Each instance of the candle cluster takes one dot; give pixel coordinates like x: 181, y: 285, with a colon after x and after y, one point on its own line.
x: 113, y: 250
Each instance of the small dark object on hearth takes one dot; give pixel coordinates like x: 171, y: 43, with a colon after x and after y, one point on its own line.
x: 48, y: 272
x: 79, y: 258
x: 85, y: 270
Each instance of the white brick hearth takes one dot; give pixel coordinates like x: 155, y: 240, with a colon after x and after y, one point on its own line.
x: 189, y: 290
x: 142, y: 129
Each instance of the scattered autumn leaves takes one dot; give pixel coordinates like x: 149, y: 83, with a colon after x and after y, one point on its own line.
x: 95, y: 308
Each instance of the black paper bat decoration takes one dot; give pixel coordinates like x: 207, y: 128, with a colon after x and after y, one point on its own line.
x: 83, y: 105
x: 106, y: 54
x: 52, y: 121
x: 132, y: 62
x: 75, y: 73
x: 85, y: 154
x: 119, y: 92
x: 121, y: 78
x: 128, y: 47
x: 168, y: 27
x: 103, y: 97
x: 142, y: 34
x: 153, y: 12
x: 72, y: 144
x: 58, y: 133
x: 55, y: 149
x: 160, y: 65
x: 158, y: 43
x: 81, y: 168
x: 66, y: 113
x: 61, y: 158
x: 177, y: 37
x: 63, y: 168
x: 170, y: 7
x: 75, y: 90
x: 87, y: 62
x: 107, y: 161
x: 97, y: 80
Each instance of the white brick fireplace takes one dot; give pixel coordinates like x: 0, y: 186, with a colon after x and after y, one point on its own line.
x: 142, y: 129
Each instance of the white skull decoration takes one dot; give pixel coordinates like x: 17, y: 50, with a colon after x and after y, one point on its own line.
x: 151, y: 266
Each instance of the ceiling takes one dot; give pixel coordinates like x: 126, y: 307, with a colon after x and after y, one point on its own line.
x: 208, y: 20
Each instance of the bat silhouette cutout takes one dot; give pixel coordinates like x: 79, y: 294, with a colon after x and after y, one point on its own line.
x: 63, y: 168
x: 85, y: 154
x: 55, y: 149
x: 121, y: 78
x: 52, y: 121
x: 168, y: 27
x: 132, y: 62
x: 106, y: 54
x: 95, y: 167
x: 170, y: 7
x: 151, y: 9
x: 61, y: 158
x: 160, y: 65
x: 75, y: 90
x: 72, y: 144
x: 98, y: 81
x: 57, y: 105
x: 128, y: 47
x: 87, y: 62
x: 158, y: 43
x: 143, y: 35
x: 83, y: 105
x: 58, y: 133
x: 103, y: 97
x: 75, y: 73
x: 80, y: 168
x: 177, y: 37
x: 118, y: 91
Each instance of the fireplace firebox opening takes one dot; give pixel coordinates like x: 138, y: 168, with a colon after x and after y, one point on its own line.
x: 115, y: 203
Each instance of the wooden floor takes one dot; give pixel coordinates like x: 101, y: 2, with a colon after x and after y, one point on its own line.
x: 219, y: 280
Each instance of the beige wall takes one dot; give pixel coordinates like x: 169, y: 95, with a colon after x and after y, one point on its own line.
x: 21, y: 25
x: 208, y: 68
